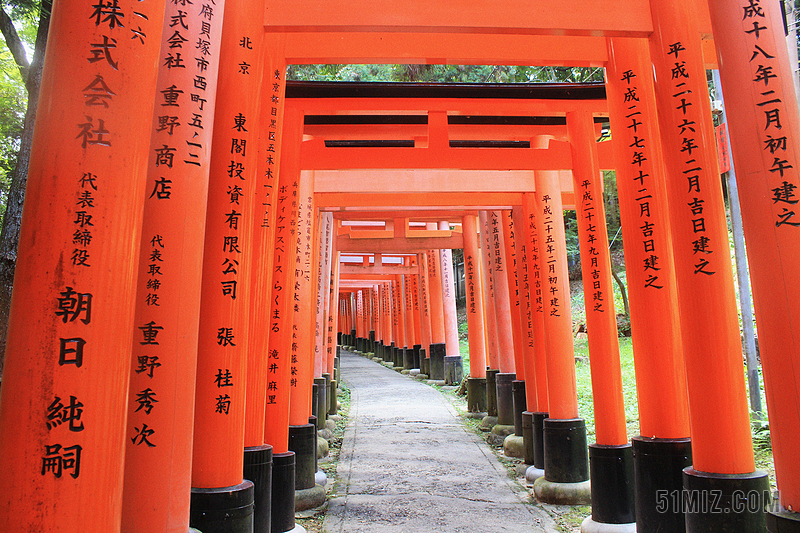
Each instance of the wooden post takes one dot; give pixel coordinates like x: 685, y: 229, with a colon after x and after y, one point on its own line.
x: 611, y: 456
x: 448, y: 297
x: 755, y: 69
x: 472, y: 275
x: 510, y: 248
x: 564, y: 432
x: 719, y: 417
x: 72, y: 310
x: 168, y: 290
x: 502, y: 298
x: 492, y: 358
x: 663, y: 444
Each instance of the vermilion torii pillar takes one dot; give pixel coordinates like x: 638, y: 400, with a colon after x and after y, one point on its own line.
x: 72, y: 311
x: 663, y: 447
x: 611, y: 456
x: 408, y: 354
x: 416, y: 314
x: 565, y: 458
x: 453, y: 365
x: 505, y: 332
x: 524, y: 268
x: 754, y: 68
x: 436, y: 307
x: 424, y: 314
x: 530, y: 212
x: 161, y: 404
x: 224, y: 333
x: 722, y: 450
x: 476, y: 384
x: 492, y: 358
x: 276, y: 431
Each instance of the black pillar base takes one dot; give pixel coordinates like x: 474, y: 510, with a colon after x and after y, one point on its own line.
x: 371, y: 339
x: 437, y: 361
x: 408, y: 358
x: 333, y: 397
x: 658, y: 473
x: 303, y: 442
x: 321, y: 411
x: 780, y: 520
x: 505, y: 399
x: 338, y: 337
x: 223, y: 510
x: 327, y: 377
x: 527, y: 437
x: 565, y: 451
x: 424, y: 362
x: 453, y: 369
x: 258, y: 469
x: 415, y: 363
x: 538, y: 439
x: 520, y: 404
x: 314, y: 399
x: 725, y: 502
x: 476, y: 395
x: 612, y: 484
x: 283, y: 492
x: 491, y: 392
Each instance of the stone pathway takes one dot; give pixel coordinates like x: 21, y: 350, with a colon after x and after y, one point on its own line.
x: 409, y: 465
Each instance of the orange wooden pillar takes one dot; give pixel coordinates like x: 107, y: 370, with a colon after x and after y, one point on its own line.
x: 400, y: 319
x: 261, y: 386
x: 408, y: 354
x: 323, y: 281
x: 302, y: 428
x: 276, y: 431
x: 476, y: 383
x: 67, y: 358
x: 490, y: 313
x: 492, y: 358
x: 531, y: 413
x: 503, y: 317
x: 537, y: 360
x: 611, y: 456
x: 453, y: 365
x: 565, y: 457
x: 424, y: 314
x: 722, y: 449
x: 759, y: 99
x: 331, y: 344
x: 162, y: 397
x: 663, y: 447
x: 416, y: 313
x: 512, y: 254
x: 224, y: 334
x: 510, y: 249
x: 502, y: 299
x: 436, y: 307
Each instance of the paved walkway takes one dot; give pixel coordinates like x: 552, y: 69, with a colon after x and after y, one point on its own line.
x: 409, y: 465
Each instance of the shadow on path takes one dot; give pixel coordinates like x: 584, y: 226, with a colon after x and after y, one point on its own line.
x: 409, y: 465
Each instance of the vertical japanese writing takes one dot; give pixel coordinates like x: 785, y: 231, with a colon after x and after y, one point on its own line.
x: 587, y: 211
x: 778, y: 160
x: 550, y: 259
x: 639, y: 154
x: 685, y: 101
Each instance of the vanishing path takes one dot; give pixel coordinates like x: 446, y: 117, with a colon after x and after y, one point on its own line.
x: 408, y: 464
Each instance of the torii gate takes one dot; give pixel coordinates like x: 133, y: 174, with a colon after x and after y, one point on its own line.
x: 68, y: 363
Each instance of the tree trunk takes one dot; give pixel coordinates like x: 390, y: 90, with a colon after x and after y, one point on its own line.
x: 9, y: 235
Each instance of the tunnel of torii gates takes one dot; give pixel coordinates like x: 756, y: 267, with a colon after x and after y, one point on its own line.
x: 196, y: 229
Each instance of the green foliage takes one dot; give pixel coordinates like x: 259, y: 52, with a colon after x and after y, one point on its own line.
x: 444, y: 73
x: 13, y: 97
